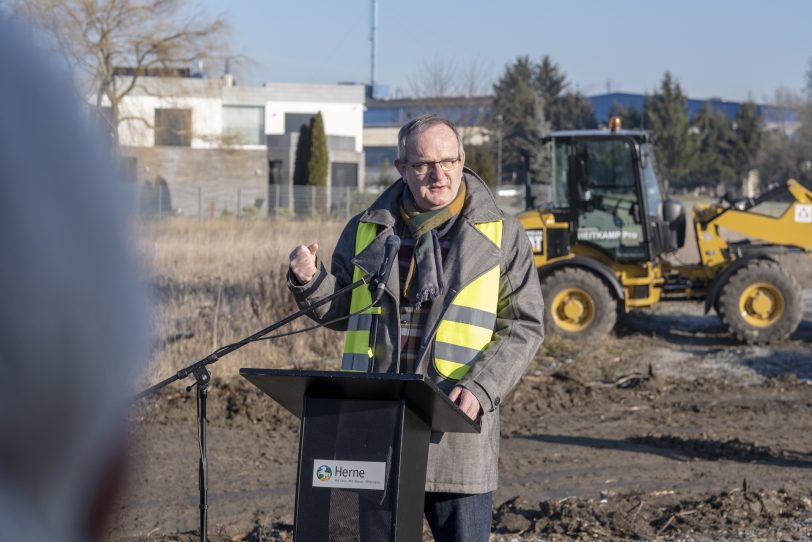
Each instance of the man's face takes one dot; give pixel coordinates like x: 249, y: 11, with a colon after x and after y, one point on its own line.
x: 436, y: 187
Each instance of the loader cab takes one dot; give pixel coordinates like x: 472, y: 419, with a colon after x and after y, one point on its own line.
x: 606, y: 186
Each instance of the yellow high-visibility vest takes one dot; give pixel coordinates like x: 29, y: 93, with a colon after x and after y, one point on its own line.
x: 357, y: 351
x: 467, y: 325
x: 465, y: 330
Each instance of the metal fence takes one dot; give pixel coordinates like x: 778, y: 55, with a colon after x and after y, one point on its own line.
x: 156, y: 201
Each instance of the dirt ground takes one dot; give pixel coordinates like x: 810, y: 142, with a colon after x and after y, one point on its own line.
x: 668, y: 430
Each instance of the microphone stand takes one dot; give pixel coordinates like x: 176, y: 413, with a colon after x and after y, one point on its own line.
x: 203, y: 378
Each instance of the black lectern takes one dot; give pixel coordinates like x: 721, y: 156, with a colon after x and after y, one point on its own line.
x: 362, y: 451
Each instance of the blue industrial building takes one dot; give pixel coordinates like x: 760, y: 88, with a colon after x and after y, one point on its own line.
x: 770, y: 114
x: 464, y: 111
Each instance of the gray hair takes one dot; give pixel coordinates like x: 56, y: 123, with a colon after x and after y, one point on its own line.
x: 421, y: 124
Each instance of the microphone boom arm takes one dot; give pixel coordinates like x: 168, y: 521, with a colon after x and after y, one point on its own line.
x: 225, y: 350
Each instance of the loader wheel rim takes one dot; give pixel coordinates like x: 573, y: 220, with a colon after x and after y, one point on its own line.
x: 761, y: 304
x: 573, y: 309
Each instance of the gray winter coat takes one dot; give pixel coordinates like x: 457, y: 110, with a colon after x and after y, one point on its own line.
x: 458, y: 463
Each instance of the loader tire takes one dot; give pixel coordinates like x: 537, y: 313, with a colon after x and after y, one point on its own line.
x: 577, y: 304
x: 760, y: 304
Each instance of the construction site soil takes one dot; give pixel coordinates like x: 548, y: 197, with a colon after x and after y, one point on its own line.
x: 668, y: 430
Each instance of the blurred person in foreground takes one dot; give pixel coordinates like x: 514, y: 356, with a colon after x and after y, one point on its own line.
x: 463, y: 306
x: 72, y: 318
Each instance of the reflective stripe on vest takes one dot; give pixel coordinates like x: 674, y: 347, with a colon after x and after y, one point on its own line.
x: 467, y: 326
x: 357, y: 351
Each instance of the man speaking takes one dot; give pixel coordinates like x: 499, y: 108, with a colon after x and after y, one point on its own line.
x: 463, y: 305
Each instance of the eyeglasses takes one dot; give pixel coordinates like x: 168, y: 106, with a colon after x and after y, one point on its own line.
x: 446, y: 164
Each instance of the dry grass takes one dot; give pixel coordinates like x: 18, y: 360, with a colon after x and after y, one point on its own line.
x: 189, y: 250
x: 215, y: 282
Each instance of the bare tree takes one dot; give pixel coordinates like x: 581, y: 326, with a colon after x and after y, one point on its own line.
x: 440, y: 78
x: 457, y: 92
x: 808, y: 80
x: 113, y: 44
x: 434, y: 79
x: 787, y: 145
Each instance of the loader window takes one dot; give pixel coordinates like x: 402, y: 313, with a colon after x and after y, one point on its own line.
x: 610, y: 166
x: 550, y: 188
x: 608, y: 205
x: 654, y: 199
x: 561, y: 175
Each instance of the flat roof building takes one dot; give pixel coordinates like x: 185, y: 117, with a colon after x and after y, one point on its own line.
x: 207, y: 141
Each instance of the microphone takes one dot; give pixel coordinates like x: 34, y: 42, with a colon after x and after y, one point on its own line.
x: 390, y: 255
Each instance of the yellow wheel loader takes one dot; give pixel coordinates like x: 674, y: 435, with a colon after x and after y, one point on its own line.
x: 600, y: 243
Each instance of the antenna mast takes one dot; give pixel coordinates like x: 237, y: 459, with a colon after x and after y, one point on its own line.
x: 373, y: 38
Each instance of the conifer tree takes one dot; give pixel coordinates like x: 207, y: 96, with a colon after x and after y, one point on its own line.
x: 747, y: 140
x: 531, y: 99
x: 571, y: 111
x: 714, y: 141
x: 564, y: 110
x: 318, y: 161
x: 550, y: 81
x: 522, y: 114
x: 300, y: 167
x: 667, y: 115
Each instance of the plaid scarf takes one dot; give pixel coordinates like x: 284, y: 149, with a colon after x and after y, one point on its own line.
x: 427, y: 260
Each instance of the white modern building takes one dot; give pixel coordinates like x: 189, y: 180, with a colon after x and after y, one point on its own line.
x: 209, y: 146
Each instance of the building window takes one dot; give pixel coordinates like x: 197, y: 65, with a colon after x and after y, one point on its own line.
x: 344, y: 174
x: 244, y: 125
x: 274, y: 171
x: 375, y: 155
x: 173, y: 127
x: 294, y: 121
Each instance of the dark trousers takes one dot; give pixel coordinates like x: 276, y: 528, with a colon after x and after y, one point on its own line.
x: 459, y: 517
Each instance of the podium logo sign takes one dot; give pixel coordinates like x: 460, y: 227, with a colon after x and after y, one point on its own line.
x: 349, y: 474
x: 324, y: 473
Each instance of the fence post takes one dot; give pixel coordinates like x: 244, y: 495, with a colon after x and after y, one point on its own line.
x: 239, y: 202
x: 276, y: 202
x: 160, y: 202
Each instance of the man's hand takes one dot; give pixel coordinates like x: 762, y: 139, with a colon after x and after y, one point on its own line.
x: 466, y: 400
x: 303, y: 262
